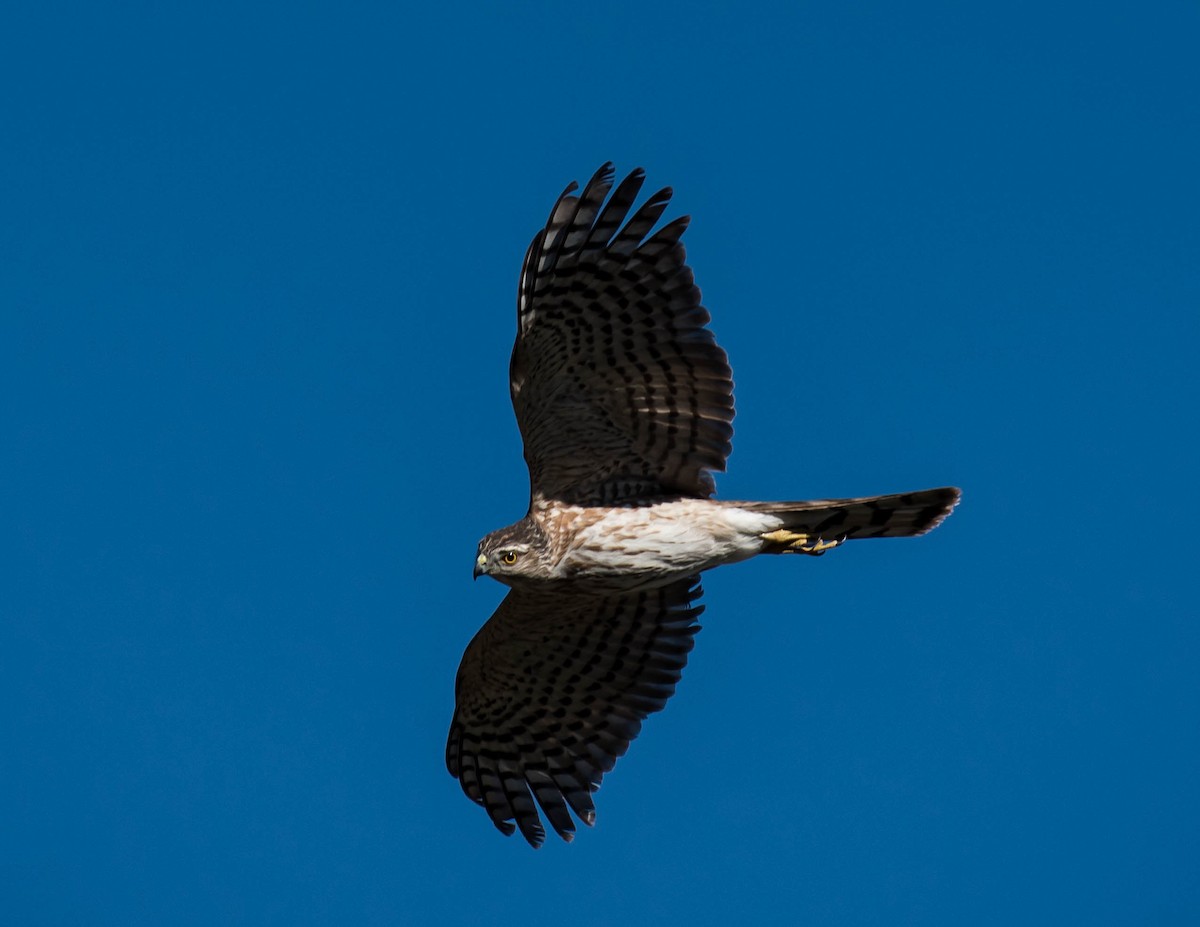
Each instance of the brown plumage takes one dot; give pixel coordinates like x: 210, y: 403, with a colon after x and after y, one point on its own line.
x: 625, y: 403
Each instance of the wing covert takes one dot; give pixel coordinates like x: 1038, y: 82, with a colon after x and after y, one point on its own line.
x: 551, y: 691
x: 619, y: 389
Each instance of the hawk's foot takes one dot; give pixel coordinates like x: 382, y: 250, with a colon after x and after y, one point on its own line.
x: 791, y: 542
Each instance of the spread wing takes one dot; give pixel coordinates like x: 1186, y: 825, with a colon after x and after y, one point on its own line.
x: 619, y: 389
x: 552, y: 690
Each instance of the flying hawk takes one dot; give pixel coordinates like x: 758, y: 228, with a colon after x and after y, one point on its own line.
x: 624, y: 402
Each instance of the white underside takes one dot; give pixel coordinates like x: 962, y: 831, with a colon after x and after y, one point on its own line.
x: 669, y: 539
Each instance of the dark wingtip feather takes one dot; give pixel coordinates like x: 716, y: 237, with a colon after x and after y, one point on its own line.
x: 604, y: 173
x: 508, y: 828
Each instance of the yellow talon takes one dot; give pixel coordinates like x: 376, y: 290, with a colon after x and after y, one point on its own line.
x: 821, y: 546
x: 791, y: 542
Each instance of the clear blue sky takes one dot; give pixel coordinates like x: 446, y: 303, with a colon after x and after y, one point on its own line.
x: 257, y: 281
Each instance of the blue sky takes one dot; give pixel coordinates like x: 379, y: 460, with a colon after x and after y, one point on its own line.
x: 257, y: 282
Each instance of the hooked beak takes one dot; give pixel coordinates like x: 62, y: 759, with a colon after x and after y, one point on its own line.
x: 480, y: 567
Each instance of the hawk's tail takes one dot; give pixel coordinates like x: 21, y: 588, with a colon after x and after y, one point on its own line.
x: 810, y: 527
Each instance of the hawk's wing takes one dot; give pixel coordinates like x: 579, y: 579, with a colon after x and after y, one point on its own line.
x: 552, y: 690
x: 619, y: 389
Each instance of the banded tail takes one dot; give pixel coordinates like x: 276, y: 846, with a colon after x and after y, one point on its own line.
x: 813, y: 527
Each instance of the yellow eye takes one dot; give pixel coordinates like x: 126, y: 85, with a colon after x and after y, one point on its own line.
x: 509, y: 557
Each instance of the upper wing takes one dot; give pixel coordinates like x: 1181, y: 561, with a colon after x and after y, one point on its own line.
x: 552, y: 690
x: 619, y: 389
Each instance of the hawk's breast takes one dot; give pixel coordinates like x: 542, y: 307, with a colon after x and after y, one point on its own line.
x: 651, y: 541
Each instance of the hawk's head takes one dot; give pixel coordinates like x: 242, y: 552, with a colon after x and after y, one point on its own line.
x: 513, y: 553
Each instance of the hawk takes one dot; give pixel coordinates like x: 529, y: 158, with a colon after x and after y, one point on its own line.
x: 624, y: 401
